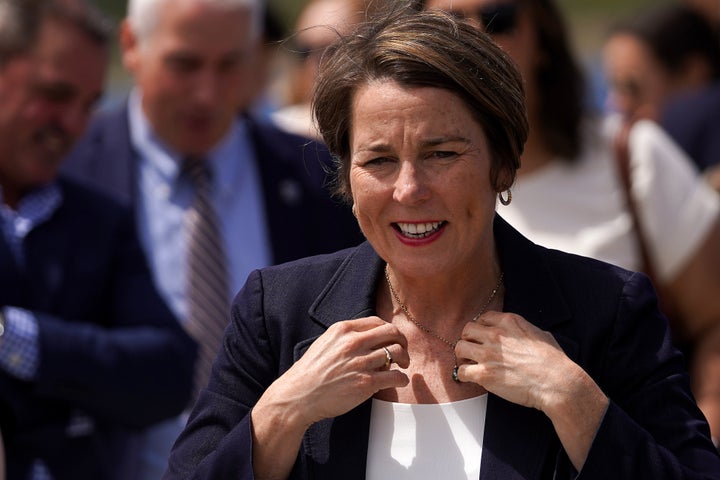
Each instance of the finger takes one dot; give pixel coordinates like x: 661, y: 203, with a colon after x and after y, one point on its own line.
x: 471, y: 372
x: 388, y: 359
x: 392, y: 378
x: 479, y: 332
x: 380, y: 331
x: 399, y: 354
x: 383, y: 335
x: 362, y: 324
x: 470, y: 352
x: 364, y: 335
x: 490, y: 318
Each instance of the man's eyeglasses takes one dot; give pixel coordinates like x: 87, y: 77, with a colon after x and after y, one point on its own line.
x: 499, y: 18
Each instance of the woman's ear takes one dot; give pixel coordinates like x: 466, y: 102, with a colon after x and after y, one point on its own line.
x: 504, y: 180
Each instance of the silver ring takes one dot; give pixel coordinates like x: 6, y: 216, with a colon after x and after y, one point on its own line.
x: 388, y: 358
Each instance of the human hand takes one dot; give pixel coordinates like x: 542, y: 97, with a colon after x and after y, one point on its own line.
x: 514, y: 359
x: 342, y: 368
x: 517, y: 361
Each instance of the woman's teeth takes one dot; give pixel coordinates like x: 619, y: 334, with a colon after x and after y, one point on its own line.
x: 419, y: 230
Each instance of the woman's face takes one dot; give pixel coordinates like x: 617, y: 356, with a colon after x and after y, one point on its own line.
x: 637, y: 83
x: 420, y: 178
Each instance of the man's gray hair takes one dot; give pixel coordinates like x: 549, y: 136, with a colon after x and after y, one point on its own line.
x: 143, y: 15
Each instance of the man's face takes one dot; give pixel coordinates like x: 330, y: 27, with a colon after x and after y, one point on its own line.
x: 46, y: 98
x: 194, y: 71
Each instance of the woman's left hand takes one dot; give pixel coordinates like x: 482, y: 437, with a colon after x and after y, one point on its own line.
x: 515, y: 360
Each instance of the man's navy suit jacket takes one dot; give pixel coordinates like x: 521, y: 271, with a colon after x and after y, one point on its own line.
x: 302, y: 217
x: 113, y: 359
x: 605, y: 319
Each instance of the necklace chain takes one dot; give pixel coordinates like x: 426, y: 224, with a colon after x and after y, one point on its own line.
x: 425, y: 329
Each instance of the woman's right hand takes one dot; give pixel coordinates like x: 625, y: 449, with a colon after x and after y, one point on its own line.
x: 342, y: 368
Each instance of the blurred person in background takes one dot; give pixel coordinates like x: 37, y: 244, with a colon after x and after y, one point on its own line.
x: 270, y: 61
x: 657, y: 55
x: 569, y: 195
x: 664, y: 64
x: 709, y: 8
x: 319, y: 24
x: 216, y: 194
x: 90, y: 355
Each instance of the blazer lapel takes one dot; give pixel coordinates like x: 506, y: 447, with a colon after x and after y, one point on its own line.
x: 532, y: 293
x: 509, y: 455
x: 47, y: 252
x: 337, y: 447
x: 120, y: 175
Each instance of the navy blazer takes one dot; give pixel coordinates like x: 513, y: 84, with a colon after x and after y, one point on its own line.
x: 110, y: 349
x: 302, y: 217
x: 605, y: 318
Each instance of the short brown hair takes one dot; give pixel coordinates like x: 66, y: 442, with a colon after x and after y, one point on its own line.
x: 423, y: 49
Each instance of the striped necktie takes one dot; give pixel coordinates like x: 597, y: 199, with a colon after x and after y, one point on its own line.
x: 207, y: 282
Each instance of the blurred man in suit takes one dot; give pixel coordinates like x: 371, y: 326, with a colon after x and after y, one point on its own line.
x: 192, y: 61
x: 89, y: 352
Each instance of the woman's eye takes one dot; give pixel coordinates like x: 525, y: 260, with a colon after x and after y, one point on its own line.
x: 378, y: 161
x: 442, y: 154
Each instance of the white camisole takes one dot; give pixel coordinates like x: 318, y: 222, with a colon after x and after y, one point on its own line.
x: 426, y: 441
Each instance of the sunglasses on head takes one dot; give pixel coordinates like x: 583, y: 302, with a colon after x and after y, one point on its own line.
x: 499, y: 18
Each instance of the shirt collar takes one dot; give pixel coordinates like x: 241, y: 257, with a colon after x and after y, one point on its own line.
x: 34, y: 208
x: 227, y: 160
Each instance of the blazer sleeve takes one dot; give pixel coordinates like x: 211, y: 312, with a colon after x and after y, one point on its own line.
x: 127, y: 359
x: 217, y: 441
x: 653, y: 428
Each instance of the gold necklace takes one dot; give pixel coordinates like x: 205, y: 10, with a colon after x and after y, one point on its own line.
x: 425, y: 329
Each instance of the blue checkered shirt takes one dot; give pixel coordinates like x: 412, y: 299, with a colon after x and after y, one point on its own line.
x: 19, y: 349
x: 19, y: 352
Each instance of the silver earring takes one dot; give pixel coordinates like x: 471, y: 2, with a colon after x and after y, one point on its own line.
x: 505, y: 201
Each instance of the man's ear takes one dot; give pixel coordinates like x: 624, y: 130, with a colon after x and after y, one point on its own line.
x: 129, y: 46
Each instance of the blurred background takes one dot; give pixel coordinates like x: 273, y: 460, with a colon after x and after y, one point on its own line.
x: 589, y: 20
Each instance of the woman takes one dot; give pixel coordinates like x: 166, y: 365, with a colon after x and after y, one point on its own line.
x: 447, y: 346
x: 568, y: 194
x: 659, y: 55
x: 664, y: 64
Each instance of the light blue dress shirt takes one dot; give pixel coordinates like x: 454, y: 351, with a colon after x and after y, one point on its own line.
x: 164, y: 197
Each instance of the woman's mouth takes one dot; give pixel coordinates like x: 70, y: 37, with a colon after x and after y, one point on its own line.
x: 418, y: 230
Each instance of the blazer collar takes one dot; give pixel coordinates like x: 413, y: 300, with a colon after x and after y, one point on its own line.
x: 531, y: 291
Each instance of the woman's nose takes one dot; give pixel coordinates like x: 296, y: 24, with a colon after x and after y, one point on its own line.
x: 411, y: 185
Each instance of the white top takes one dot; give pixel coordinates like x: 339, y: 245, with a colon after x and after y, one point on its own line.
x: 426, y: 441
x: 580, y: 207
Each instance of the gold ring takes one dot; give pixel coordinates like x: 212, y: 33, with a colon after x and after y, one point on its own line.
x: 388, y: 358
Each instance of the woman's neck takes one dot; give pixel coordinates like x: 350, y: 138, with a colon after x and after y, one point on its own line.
x: 444, y: 302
